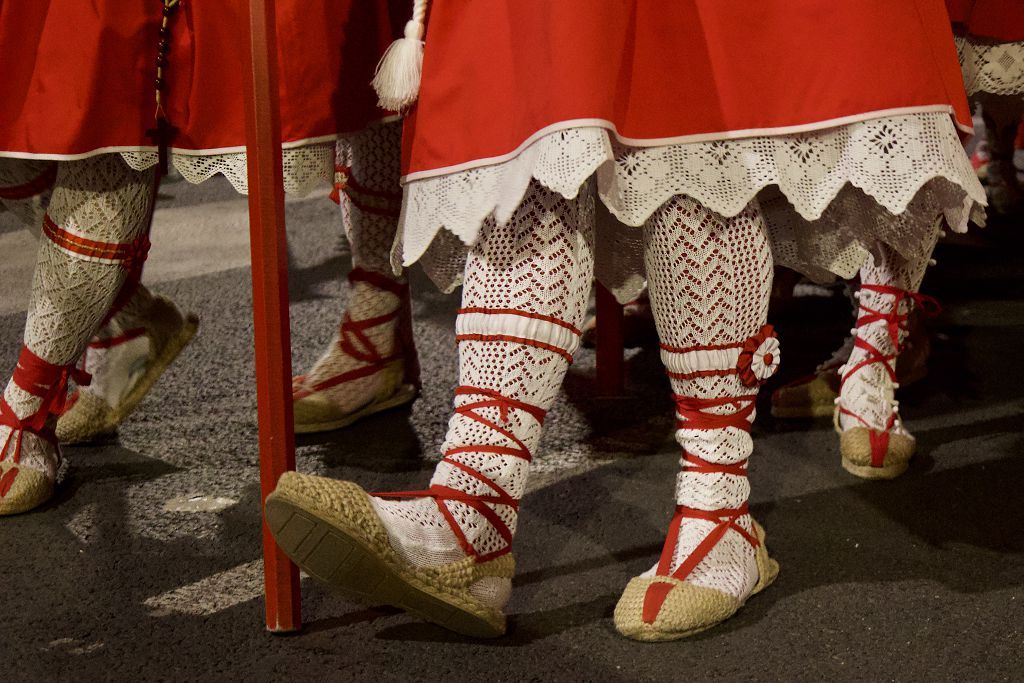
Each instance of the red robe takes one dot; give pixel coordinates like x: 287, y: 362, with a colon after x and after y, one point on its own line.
x: 79, y: 76
x: 1000, y: 20
x: 500, y: 72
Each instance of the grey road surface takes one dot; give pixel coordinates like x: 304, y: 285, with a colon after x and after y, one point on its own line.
x: 147, y: 566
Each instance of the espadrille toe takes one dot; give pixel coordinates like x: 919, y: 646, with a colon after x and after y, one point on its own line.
x: 855, y: 445
x: 660, y: 608
x: 22, y: 488
x: 813, y: 398
x: 687, y: 609
x: 332, y: 531
x: 88, y: 418
x: 341, y: 500
x: 314, y: 411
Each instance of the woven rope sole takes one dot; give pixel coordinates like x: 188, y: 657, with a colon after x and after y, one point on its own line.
x: 91, y: 417
x: 29, y: 490
x: 329, y: 529
x: 315, y: 413
x: 855, y: 448
x: 816, y: 398
x: 688, y: 609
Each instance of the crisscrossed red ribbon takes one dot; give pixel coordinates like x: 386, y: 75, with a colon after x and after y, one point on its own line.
x: 354, y: 341
x: 693, y: 415
x: 896, y: 322
x: 47, y: 382
x: 482, y: 504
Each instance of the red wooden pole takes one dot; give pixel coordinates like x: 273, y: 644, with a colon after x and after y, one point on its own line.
x: 272, y: 343
x: 611, y: 367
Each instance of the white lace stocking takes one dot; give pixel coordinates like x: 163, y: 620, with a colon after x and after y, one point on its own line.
x: 709, y: 281
x: 525, y: 294
x: 98, y: 199
x: 370, y: 197
x: 869, y: 391
x: 368, y: 173
x: 17, y: 178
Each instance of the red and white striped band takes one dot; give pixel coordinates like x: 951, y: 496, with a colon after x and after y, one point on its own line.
x: 519, y: 327
x: 126, y: 254
x: 700, y: 361
x: 755, y: 359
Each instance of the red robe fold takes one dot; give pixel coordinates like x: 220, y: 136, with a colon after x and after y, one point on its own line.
x: 1000, y: 20
x: 78, y: 77
x: 497, y: 72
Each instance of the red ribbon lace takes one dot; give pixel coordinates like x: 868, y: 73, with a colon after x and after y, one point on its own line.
x: 482, y: 504
x: 354, y: 341
x: 45, y: 381
x: 693, y: 415
x: 896, y: 322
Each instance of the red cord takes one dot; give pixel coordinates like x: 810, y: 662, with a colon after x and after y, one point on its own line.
x: 482, y: 504
x: 693, y: 416
x: 354, y: 341
x: 896, y: 322
x: 45, y: 381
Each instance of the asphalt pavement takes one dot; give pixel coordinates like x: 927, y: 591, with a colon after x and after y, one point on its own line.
x: 146, y: 565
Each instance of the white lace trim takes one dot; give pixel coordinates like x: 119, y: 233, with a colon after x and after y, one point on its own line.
x: 996, y: 68
x: 304, y: 167
x: 854, y: 182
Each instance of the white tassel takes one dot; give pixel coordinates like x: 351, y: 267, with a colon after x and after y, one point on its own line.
x: 397, y: 80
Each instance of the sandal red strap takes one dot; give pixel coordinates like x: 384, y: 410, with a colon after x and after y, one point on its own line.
x: 725, y: 520
x: 482, y: 504
x: 45, y: 381
x: 399, y: 289
x: 896, y: 322
x: 379, y: 202
x: 693, y: 413
x: 123, y: 338
x: 354, y: 341
x: 895, y: 319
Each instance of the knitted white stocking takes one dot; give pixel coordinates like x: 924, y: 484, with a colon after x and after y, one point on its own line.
x: 524, y: 298
x: 709, y: 279
x: 124, y: 348
x: 370, y: 364
x: 94, y: 235
x: 874, y: 442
